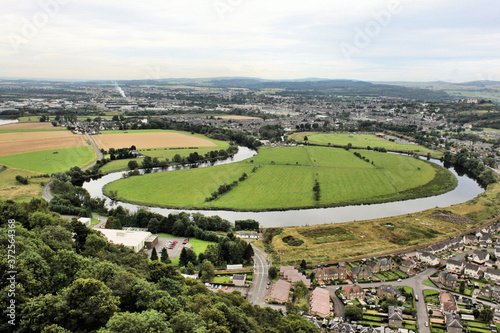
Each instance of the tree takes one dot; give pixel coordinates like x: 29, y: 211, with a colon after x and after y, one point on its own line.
x: 164, y: 256
x: 154, y: 254
x: 150, y: 321
x: 303, y: 265
x: 187, y: 255
x: 462, y: 287
x: 272, y: 272
x: 353, y: 313
x: 486, y: 315
x: 133, y: 164
x: 190, y: 268
x: 90, y: 302
x: 207, y: 271
x: 300, y: 290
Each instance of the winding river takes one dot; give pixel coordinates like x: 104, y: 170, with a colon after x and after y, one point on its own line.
x: 467, y: 189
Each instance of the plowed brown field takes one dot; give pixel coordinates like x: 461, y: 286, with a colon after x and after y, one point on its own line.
x: 26, y: 142
x: 149, y: 140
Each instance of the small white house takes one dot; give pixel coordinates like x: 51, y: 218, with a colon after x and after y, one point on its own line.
x: 86, y: 221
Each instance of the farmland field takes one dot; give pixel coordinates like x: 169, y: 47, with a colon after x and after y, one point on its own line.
x: 52, y: 160
x: 357, y: 141
x: 283, y: 178
x: 21, y: 127
x: 19, y: 142
x: 150, y: 139
x: 164, y: 152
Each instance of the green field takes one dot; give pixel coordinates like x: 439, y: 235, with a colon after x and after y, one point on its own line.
x: 32, y: 130
x: 284, y: 178
x: 46, y: 161
x: 357, y: 141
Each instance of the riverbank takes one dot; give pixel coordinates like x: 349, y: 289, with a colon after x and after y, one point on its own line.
x: 342, y: 241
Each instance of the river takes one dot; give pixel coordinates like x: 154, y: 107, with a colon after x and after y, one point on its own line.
x: 467, y: 189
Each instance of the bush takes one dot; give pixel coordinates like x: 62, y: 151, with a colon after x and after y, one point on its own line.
x: 22, y: 180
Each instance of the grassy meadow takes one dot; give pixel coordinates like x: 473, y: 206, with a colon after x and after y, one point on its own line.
x: 357, y: 141
x: 283, y: 178
x: 48, y: 161
x: 11, y: 189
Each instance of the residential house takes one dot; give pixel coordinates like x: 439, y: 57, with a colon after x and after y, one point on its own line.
x: 480, y: 257
x: 447, y: 279
x: 454, y: 266
x: 428, y: 258
x: 470, y: 240
x: 453, y: 323
x: 472, y: 270
x: 395, y: 316
x: 387, y: 291
x: 330, y: 273
x: 338, y: 327
x: 361, y: 272
x: 319, y: 303
x: 292, y: 275
x: 437, y: 248
x: 447, y: 302
x: 353, y: 291
x: 408, y: 266
x: 371, y: 330
x: 492, y: 274
x: 279, y: 292
x: 497, y: 250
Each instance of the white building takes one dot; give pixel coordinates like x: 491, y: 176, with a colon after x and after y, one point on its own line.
x: 135, y: 240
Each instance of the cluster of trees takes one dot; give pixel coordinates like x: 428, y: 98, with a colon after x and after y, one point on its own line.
x: 316, y: 190
x: 149, y: 162
x: 120, y: 153
x: 248, y: 224
x: 181, y: 225
x: 87, y: 285
x: 73, y: 200
x: 361, y: 157
x: 472, y: 164
x: 224, y: 188
x: 22, y: 180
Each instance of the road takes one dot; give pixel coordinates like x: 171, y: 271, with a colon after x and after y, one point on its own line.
x: 46, y: 189
x: 258, y: 290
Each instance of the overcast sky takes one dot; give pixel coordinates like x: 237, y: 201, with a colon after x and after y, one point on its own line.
x: 417, y: 40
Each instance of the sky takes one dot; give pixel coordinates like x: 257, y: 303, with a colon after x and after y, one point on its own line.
x: 372, y: 40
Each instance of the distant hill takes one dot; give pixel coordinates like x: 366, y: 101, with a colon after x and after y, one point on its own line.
x: 314, y: 86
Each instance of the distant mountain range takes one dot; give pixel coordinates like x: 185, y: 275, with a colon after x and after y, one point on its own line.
x: 424, y: 91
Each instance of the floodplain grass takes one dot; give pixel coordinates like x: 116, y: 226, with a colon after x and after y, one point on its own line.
x: 11, y: 189
x: 50, y: 161
x: 284, y: 179
x: 322, y: 243
x: 357, y: 141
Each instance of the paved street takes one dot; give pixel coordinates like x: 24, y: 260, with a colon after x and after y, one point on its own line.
x: 258, y: 291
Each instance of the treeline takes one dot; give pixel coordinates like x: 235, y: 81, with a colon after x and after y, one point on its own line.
x: 224, y: 188
x: 472, y: 164
x: 149, y: 162
x: 70, y: 279
x: 230, y: 250
x: 361, y: 157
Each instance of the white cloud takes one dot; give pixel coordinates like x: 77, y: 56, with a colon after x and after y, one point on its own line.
x: 424, y: 40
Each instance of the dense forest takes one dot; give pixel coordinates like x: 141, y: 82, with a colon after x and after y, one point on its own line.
x: 64, y: 277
